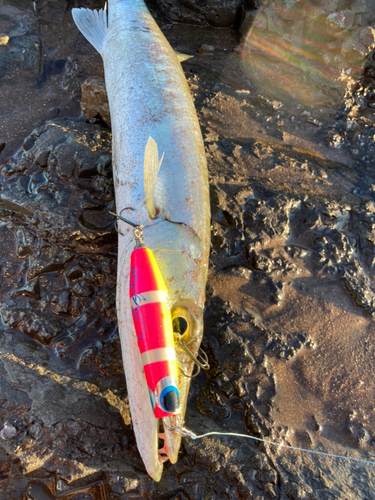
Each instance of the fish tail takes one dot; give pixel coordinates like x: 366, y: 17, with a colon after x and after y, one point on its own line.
x: 93, y: 25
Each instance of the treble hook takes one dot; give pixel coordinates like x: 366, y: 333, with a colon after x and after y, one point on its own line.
x: 200, y: 363
x: 193, y: 375
x: 138, y: 230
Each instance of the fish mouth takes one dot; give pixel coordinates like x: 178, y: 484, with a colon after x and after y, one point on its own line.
x: 171, y: 441
x: 187, y: 361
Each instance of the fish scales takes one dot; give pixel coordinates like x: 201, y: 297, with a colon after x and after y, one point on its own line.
x: 152, y: 98
x: 149, y: 97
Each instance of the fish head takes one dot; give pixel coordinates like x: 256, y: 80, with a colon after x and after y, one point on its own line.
x: 182, y: 258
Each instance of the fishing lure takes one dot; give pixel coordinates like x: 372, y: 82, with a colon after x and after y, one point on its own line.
x: 153, y: 326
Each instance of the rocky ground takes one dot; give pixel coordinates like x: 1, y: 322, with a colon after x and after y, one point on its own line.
x: 289, y: 325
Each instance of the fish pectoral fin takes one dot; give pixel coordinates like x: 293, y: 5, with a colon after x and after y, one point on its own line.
x: 151, y: 169
x: 93, y: 25
x: 182, y: 57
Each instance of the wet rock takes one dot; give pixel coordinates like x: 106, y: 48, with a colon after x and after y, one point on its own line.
x: 70, y: 72
x: 213, y: 12
x: 94, y: 99
x: 31, y: 289
x: 359, y: 117
x: 21, y: 52
x: 287, y: 348
x: 37, y: 490
x: 34, y: 61
x: 336, y: 252
x: 175, y: 10
x: 367, y: 36
x: 343, y: 19
x: 229, y: 388
x: 47, y: 236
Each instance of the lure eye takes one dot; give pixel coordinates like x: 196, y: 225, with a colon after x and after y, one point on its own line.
x: 167, y: 396
x: 170, y: 401
x: 180, y: 322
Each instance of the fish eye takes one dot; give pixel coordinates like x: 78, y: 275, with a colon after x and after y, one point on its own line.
x: 180, y: 325
x: 181, y: 322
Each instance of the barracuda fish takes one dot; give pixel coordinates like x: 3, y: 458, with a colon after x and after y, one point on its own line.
x: 167, y: 190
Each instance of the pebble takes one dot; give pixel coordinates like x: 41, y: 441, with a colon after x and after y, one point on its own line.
x: 8, y: 431
x: 4, y: 39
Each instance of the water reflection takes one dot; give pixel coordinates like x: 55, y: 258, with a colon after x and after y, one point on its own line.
x: 305, y: 52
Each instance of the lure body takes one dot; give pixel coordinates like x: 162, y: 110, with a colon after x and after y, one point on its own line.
x: 153, y: 326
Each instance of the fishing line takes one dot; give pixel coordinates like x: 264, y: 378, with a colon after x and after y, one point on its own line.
x: 186, y: 433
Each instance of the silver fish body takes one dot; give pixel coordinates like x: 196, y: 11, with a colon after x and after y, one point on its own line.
x: 149, y: 97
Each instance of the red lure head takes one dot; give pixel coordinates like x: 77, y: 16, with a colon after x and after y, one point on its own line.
x: 153, y: 327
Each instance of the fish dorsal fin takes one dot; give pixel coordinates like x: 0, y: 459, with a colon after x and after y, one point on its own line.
x: 182, y: 57
x: 93, y: 25
x: 151, y: 169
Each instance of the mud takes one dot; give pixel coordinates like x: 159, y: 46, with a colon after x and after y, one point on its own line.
x: 289, y: 321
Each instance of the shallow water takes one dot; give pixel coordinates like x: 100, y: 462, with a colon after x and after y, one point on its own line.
x: 290, y: 299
